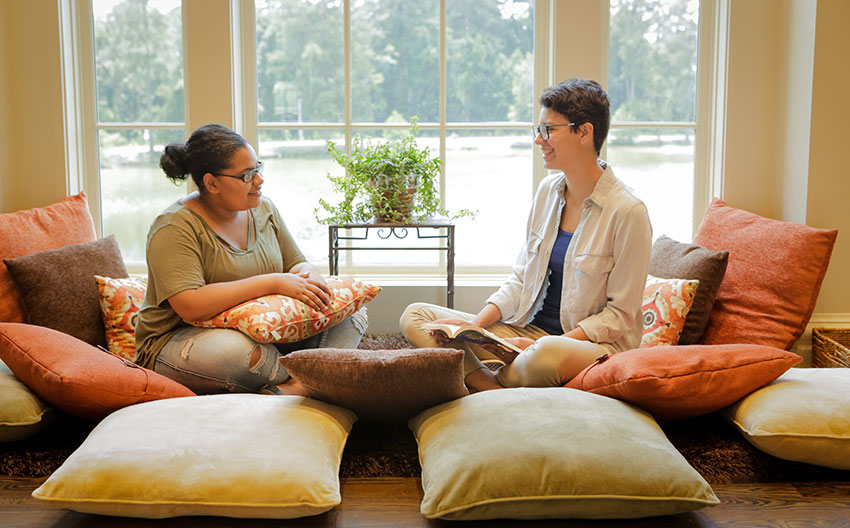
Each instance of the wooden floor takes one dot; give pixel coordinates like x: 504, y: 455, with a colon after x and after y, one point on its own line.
x: 394, y: 502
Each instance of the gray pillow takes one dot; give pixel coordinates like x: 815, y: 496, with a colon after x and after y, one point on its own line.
x: 380, y: 385
x: 677, y: 260
x: 58, y: 288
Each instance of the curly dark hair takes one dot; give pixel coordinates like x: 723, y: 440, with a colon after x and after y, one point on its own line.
x: 581, y: 101
x: 210, y: 149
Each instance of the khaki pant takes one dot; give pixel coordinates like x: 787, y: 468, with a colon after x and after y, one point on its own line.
x: 551, y: 361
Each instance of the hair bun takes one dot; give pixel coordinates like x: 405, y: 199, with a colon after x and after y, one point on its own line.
x: 173, y: 162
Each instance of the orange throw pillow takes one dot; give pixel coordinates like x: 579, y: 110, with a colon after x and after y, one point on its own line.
x: 674, y: 382
x: 33, y: 230
x: 282, y: 319
x: 772, y: 280
x: 666, y: 303
x: 120, y: 302
x: 76, y: 377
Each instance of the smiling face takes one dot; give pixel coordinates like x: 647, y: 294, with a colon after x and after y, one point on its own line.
x: 235, y: 194
x: 562, y: 146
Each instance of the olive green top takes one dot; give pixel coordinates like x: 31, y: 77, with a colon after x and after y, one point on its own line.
x: 184, y: 253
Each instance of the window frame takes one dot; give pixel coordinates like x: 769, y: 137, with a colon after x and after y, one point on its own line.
x: 233, y: 20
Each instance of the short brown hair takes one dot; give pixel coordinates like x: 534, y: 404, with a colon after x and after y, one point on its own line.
x: 581, y: 101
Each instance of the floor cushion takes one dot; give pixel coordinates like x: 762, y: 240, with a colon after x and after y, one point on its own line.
x: 29, y: 231
x: 534, y: 453
x: 233, y: 455
x: 676, y: 260
x: 22, y: 413
x: 380, y: 385
x: 772, y: 280
x: 804, y: 415
x: 675, y: 382
x: 76, y: 377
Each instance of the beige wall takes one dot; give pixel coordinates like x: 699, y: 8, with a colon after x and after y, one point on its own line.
x: 829, y: 179
x: 767, y: 80
x: 35, y: 143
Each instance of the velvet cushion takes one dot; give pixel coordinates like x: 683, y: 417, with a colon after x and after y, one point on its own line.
x: 671, y: 259
x: 534, y: 453
x: 773, y: 278
x: 281, y: 319
x: 666, y: 303
x: 59, y: 290
x: 804, y: 415
x: 22, y: 413
x: 380, y: 385
x: 76, y: 377
x: 120, y: 302
x: 235, y: 455
x: 29, y: 231
x: 676, y: 382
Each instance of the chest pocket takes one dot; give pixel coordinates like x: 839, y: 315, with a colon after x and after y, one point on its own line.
x: 591, y: 282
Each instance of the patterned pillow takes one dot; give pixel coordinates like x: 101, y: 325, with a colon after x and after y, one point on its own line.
x: 282, y: 319
x: 666, y: 303
x: 120, y: 301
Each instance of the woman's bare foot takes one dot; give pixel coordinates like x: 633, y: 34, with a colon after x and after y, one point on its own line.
x: 482, y: 379
x: 292, y: 387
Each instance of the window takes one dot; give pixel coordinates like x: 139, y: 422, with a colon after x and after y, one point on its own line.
x: 329, y: 70
x: 317, y: 71
x: 652, y: 85
x: 138, y: 66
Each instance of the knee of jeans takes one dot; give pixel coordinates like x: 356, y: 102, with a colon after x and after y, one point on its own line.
x: 360, y: 320
x: 263, y: 357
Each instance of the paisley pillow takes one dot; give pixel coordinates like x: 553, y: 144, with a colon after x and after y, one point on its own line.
x: 666, y: 303
x: 120, y: 301
x: 282, y: 319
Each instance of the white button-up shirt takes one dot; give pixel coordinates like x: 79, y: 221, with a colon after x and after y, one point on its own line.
x: 604, y: 269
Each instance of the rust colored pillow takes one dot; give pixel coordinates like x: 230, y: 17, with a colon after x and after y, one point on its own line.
x: 32, y: 230
x: 772, y: 280
x: 674, y: 382
x: 677, y: 260
x: 76, y: 377
x: 59, y: 290
x: 380, y: 385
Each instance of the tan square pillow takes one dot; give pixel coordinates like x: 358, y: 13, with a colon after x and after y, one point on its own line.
x: 235, y: 455
x: 804, y: 415
x: 380, y: 385
x: 282, y: 319
x: 58, y: 287
x: 541, y: 453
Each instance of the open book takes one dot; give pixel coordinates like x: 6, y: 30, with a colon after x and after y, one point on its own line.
x: 472, y: 334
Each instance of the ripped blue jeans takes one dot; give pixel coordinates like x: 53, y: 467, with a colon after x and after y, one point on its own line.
x: 214, y: 360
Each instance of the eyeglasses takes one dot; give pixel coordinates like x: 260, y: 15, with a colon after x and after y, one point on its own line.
x: 543, y: 130
x: 247, y: 176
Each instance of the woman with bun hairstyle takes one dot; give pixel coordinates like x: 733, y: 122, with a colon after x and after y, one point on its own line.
x: 213, y: 249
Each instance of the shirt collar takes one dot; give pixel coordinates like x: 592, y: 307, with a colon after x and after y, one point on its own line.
x: 603, y: 188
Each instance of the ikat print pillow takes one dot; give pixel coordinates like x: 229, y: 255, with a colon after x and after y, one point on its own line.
x: 666, y: 303
x: 120, y: 301
x: 282, y: 319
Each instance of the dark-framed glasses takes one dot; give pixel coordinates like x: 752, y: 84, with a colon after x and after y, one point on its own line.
x: 247, y: 176
x: 543, y: 130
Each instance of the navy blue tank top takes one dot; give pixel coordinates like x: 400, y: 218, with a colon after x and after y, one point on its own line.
x: 549, y: 316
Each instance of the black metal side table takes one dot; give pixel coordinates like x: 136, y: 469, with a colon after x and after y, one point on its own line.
x: 443, y: 227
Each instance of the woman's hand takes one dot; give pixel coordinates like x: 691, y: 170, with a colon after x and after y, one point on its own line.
x: 440, y: 337
x: 314, y: 293
x: 507, y: 356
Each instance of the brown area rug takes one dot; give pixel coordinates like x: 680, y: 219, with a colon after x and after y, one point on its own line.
x: 711, y: 445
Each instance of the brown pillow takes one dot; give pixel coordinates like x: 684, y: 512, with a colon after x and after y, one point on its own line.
x: 25, y: 232
x: 676, y: 260
x: 59, y: 290
x: 77, y: 378
x: 380, y: 385
x: 773, y: 279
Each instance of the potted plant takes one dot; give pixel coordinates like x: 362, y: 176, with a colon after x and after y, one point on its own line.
x: 393, y: 182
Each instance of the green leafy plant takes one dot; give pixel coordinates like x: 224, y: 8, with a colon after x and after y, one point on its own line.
x: 392, y: 182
